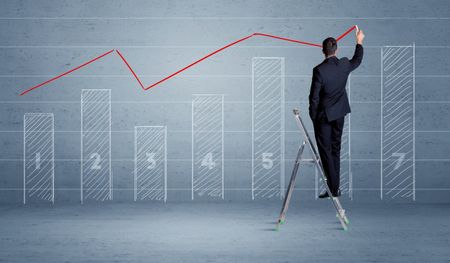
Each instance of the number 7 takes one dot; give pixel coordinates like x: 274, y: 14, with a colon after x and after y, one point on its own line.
x: 401, y: 157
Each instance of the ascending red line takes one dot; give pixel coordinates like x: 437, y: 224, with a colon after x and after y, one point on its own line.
x: 67, y: 72
x: 186, y: 67
x: 198, y: 61
x: 346, y: 33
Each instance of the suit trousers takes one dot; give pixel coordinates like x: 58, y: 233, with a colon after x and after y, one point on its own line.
x: 328, y: 136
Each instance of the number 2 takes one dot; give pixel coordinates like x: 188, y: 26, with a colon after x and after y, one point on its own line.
x: 97, y: 159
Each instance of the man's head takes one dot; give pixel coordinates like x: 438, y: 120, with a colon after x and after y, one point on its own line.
x: 329, y: 47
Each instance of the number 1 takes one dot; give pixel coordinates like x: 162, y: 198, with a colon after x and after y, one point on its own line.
x: 38, y: 161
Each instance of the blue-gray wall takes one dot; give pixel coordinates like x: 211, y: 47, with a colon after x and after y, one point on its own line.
x: 39, y: 39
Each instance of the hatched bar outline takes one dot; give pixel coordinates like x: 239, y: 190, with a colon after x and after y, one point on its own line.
x: 164, y: 131
x: 82, y: 148
x: 193, y: 141
x: 282, y: 124
x: 51, y: 115
x: 413, y: 132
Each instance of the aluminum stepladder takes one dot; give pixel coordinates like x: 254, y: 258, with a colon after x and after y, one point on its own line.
x: 340, y: 212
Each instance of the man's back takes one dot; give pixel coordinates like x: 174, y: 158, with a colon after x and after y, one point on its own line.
x: 328, y: 95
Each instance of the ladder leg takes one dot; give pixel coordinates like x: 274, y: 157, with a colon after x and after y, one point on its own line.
x: 340, y: 212
x: 290, y: 189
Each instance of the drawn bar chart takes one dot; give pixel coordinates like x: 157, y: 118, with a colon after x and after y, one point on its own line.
x: 150, y: 163
x: 398, y: 122
x: 96, y: 176
x: 38, y: 157
x: 345, y: 165
x: 267, y: 127
x: 207, y: 146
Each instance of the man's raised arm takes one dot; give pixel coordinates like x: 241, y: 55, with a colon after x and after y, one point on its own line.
x: 359, y: 51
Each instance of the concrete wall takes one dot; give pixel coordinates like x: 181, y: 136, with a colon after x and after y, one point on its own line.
x: 40, y: 39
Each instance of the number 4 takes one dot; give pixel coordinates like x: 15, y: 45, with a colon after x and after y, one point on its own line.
x: 208, y: 161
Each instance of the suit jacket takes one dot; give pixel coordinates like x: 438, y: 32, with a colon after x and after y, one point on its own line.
x: 328, y: 98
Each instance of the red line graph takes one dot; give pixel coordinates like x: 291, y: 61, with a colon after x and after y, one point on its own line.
x: 184, y: 68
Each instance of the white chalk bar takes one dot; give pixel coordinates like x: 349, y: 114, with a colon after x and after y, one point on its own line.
x: 207, y: 146
x: 397, y: 122
x: 150, y: 163
x: 96, y: 177
x: 268, y: 127
x: 39, y: 159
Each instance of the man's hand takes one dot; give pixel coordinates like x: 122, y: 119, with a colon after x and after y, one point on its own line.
x: 359, y: 35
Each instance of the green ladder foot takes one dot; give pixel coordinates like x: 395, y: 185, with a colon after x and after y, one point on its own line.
x: 346, y: 220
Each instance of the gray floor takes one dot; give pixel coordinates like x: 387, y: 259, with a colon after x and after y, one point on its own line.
x: 223, y: 232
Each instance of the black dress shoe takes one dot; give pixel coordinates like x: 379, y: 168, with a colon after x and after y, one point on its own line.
x: 325, y: 194
x: 337, y: 194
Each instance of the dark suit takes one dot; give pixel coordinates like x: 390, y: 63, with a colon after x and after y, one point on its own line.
x: 328, y: 105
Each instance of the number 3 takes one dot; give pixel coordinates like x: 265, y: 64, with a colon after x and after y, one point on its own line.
x: 151, y: 160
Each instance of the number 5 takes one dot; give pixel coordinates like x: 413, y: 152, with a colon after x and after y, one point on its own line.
x: 267, y: 162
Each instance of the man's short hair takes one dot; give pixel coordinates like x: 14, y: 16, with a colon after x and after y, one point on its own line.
x: 329, y: 46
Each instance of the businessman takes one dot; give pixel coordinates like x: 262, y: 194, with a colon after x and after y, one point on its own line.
x: 328, y: 105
